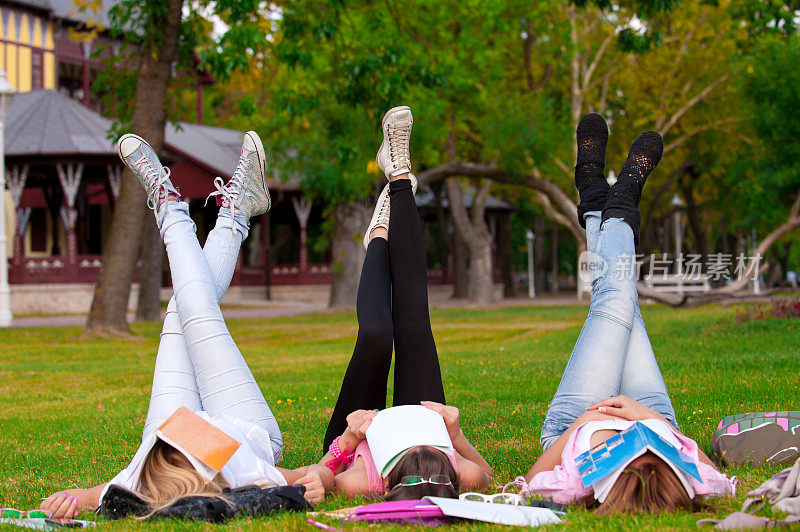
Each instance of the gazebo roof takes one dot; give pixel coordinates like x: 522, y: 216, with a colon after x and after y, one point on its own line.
x: 46, y: 123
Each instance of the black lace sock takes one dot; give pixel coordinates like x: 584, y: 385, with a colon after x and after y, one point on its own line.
x: 592, y: 136
x: 623, y: 200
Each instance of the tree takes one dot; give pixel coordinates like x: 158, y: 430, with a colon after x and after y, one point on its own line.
x: 136, y: 86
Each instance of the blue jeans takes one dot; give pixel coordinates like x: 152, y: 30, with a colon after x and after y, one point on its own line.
x: 198, y: 364
x: 613, y: 355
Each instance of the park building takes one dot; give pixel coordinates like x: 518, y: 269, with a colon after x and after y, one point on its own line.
x: 63, y: 175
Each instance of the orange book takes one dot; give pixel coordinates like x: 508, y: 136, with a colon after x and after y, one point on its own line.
x: 199, y: 441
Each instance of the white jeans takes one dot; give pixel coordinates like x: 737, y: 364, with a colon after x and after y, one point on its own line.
x: 198, y: 364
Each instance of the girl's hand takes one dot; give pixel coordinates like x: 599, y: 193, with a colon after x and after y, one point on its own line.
x: 315, y: 487
x: 358, y: 422
x: 625, y: 408
x: 63, y: 503
x: 450, y: 414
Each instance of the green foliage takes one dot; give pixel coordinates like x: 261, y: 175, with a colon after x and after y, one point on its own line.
x: 768, y: 172
x: 72, y: 409
x: 135, y: 23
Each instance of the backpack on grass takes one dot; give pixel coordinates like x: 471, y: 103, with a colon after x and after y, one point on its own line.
x: 757, y: 438
x: 119, y: 502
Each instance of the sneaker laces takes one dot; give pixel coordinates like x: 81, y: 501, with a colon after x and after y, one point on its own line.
x: 157, y: 180
x: 399, y: 138
x: 231, y: 190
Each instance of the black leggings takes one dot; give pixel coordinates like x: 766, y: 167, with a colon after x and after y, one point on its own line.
x: 392, y: 304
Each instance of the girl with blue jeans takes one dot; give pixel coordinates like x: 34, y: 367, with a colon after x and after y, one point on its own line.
x: 198, y: 365
x: 612, y: 378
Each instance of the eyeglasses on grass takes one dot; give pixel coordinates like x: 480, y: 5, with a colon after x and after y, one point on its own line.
x: 497, y: 498
x: 416, y: 480
x: 13, y: 513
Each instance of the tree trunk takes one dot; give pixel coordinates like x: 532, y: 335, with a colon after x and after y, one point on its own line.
x: 539, y: 256
x: 347, y: 253
x: 693, y: 213
x: 476, y: 236
x: 150, y: 273
x: 554, y: 260
x: 109, y: 306
x: 460, y: 268
x: 505, y: 257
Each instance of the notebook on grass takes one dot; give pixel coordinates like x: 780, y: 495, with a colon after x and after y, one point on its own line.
x: 502, y: 514
x: 395, y: 430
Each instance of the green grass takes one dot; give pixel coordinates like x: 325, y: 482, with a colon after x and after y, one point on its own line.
x: 72, y: 409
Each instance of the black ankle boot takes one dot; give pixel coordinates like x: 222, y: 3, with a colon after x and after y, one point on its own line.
x: 623, y: 200
x: 592, y: 136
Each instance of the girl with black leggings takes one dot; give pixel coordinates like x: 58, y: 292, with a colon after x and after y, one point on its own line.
x: 392, y: 306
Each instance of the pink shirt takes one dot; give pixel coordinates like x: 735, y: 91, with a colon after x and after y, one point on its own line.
x: 373, y: 477
x: 564, y: 485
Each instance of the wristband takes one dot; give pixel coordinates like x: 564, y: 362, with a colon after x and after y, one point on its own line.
x: 339, y: 457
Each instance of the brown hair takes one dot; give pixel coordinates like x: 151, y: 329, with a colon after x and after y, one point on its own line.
x: 426, y: 462
x: 167, y: 476
x: 647, y: 486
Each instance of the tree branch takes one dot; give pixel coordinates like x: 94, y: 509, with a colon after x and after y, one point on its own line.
x: 686, y: 136
x: 558, y: 197
x: 691, y: 103
x: 458, y: 211
x: 479, y: 203
x: 587, y: 76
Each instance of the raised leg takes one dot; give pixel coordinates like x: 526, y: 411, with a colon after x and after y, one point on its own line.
x: 224, y: 381
x: 417, y: 375
x: 595, y: 368
x: 641, y: 376
x: 174, y: 383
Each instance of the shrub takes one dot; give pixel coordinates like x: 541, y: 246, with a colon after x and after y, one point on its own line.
x: 778, y: 307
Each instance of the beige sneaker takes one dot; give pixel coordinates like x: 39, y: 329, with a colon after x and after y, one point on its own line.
x: 137, y: 154
x: 247, y: 188
x: 380, y: 217
x: 393, y: 156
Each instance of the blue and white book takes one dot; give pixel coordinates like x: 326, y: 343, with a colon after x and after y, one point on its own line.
x: 602, y: 465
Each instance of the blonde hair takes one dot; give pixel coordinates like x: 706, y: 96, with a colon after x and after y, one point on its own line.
x: 647, y: 486
x: 167, y: 476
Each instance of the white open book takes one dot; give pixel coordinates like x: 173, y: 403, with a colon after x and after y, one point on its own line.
x: 395, y: 430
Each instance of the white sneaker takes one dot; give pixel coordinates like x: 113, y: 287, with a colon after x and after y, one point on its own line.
x: 380, y: 217
x: 247, y: 188
x: 137, y: 155
x: 393, y: 156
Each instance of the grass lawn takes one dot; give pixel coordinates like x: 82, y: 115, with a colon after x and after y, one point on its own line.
x: 72, y: 410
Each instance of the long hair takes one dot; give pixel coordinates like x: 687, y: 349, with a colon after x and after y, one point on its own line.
x: 167, y: 476
x: 426, y: 462
x: 647, y: 486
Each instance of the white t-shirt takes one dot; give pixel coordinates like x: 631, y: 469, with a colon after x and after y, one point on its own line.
x: 252, y: 463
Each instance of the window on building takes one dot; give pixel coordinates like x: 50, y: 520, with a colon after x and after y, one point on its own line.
x: 37, y: 70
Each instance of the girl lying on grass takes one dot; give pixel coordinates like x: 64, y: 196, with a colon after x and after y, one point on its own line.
x: 612, y: 379
x: 392, y: 305
x: 198, y: 365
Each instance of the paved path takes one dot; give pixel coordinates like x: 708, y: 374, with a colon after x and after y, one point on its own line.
x: 289, y: 308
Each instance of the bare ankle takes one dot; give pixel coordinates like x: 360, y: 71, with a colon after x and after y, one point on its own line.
x: 379, y: 232
x: 401, y: 176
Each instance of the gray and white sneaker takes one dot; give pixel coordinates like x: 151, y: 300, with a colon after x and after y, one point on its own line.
x: 247, y: 188
x: 380, y: 217
x: 137, y: 154
x: 393, y: 156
